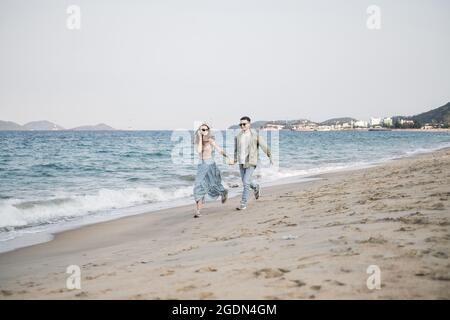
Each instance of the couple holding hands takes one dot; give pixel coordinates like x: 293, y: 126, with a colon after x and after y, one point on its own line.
x: 208, y: 181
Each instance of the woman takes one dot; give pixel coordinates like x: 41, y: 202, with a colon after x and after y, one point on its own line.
x: 208, y: 182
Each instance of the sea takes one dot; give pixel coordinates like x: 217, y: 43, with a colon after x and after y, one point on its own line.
x: 52, y: 181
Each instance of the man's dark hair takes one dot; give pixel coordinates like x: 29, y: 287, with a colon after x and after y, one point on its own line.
x: 245, y: 118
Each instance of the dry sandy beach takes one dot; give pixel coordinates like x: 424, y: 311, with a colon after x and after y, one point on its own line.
x: 310, y: 240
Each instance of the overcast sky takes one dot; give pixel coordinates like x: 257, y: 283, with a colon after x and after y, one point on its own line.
x: 162, y: 64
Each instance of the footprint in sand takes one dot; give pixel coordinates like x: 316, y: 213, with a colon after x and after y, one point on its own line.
x: 403, y: 229
x: 270, y: 272
x: 373, y: 240
x: 6, y: 293
x: 348, y: 251
x: 206, y: 295
x: 440, y: 255
x: 335, y: 282
x: 182, y: 250
x: 187, y: 288
x: 299, y: 283
x: 440, y: 275
x: 206, y: 269
x: 167, y: 273
x: 82, y: 294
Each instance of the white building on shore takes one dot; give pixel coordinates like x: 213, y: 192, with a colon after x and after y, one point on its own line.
x: 272, y: 127
x: 375, y: 121
x: 360, y: 124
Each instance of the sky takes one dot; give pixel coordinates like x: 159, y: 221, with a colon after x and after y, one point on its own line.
x: 167, y: 64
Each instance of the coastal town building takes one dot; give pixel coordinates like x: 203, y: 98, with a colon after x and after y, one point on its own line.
x: 406, y: 122
x: 360, y: 124
x: 272, y: 127
x: 375, y: 121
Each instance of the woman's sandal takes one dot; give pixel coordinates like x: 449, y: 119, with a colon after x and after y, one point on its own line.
x: 225, y: 196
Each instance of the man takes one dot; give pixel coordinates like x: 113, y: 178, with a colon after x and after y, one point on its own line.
x: 246, y: 145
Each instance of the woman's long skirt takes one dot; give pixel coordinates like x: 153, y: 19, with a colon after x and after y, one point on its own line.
x: 208, y: 181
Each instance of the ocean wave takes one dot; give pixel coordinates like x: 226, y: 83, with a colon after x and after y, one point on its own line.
x: 15, y: 213
x: 46, y: 166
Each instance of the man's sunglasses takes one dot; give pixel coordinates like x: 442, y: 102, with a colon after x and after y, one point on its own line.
x: 243, y: 124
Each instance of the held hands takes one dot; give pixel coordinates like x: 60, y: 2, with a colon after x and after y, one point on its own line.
x: 231, y: 162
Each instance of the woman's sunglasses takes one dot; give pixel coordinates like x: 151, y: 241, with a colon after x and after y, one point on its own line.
x: 205, y: 130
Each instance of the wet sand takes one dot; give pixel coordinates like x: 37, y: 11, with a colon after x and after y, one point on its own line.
x: 312, y: 240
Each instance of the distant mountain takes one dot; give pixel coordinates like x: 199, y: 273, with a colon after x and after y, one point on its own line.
x: 340, y: 121
x: 256, y: 125
x: 287, y: 124
x: 42, y: 125
x: 97, y: 127
x: 9, y: 125
x: 45, y: 125
x: 300, y: 121
x: 438, y: 115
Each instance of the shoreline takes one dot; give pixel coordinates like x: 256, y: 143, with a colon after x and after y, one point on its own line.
x: 35, y: 238
x: 311, y: 240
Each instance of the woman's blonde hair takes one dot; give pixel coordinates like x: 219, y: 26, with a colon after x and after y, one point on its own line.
x: 208, y: 137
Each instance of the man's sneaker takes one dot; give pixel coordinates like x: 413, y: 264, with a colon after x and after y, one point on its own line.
x: 197, y: 214
x: 225, y: 196
x: 241, y: 207
x: 257, y: 191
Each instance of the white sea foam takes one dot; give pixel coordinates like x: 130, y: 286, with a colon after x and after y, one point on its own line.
x: 19, y: 213
x: 273, y: 174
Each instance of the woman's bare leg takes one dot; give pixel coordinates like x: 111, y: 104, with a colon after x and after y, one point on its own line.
x: 197, y: 211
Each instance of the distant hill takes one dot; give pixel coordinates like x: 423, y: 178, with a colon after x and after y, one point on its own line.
x: 45, y: 125
x: 97, y: 127
x: 438, y: 115
x: 340, y: 121
x: 9, y: 125
x: 256, y: 124
x: 300, y: 121
x: 42, y: 125
x: 286, y: 123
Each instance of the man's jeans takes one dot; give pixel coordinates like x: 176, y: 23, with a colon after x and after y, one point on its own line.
x: 246, y: 176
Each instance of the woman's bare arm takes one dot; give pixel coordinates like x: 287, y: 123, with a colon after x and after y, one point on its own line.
x: 219, y: 149
x: 199, y: 143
